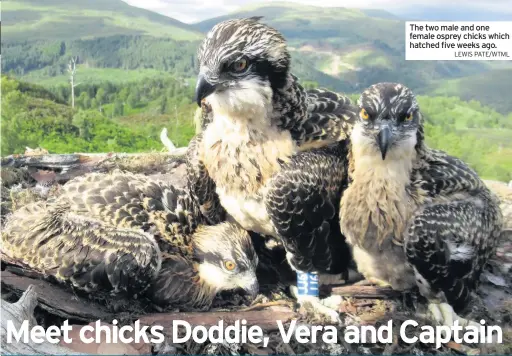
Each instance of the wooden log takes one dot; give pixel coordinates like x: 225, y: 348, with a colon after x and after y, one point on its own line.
x: 55, y: 299
x: 370, y: 292
x: 60, y: 168
x: 68, y: 161
x: 59, y: 301
x: 17, y: 313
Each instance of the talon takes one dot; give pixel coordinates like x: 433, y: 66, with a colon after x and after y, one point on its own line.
x: 327, y: 306
x: 332, y: 302
x: 443, y: 314
x: 435, y: 313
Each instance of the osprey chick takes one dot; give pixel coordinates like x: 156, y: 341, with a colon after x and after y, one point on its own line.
x: 271, y: 156
x: 414, y: 215
x: 127, y: 234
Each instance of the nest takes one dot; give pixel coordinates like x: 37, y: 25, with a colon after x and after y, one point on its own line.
x: 31, y: 178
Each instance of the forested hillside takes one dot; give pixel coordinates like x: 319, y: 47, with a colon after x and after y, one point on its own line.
x: 344, y: 49
x: 477, y: 134
x: 136, y: 72
x: 483, y: 87
x: 129, y: 117
x: 73, y: 19
x: 47, y: 59
x: 356, y: 47
x: 108, y: 117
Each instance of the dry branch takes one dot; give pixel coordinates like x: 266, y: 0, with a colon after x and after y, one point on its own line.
x: 68, y: 161
x: 59, y: 301
x: 166, y: 141
x: 370, y: 292
x: 61, y: 168
x: 72, y: 73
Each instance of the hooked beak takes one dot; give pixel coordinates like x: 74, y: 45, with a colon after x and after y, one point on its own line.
x: 252, y: 289
x: 203, y: 89
x: 383, y: 138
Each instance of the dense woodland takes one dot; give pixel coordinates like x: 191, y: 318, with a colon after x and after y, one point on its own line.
x: 126, y: 52
x: 136, y: 72
x: 128, y: 117
x: 35, y: 117
x: 36, y: 60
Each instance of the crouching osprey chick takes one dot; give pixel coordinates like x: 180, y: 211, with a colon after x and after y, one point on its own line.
x: 125, y: 234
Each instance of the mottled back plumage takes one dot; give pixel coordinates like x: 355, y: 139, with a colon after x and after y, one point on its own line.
x: 133, y: 201
x: 330, y: 117
x: 303, y: 202
x: 126, y: 234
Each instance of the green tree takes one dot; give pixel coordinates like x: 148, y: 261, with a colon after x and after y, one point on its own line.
x: 83, y: 100
x: 87, y: 102
x: 118, y: 108
x: 123, y: 94
x: 133, y: 100
x: 307, y: 84
x: 162, y: 105
x: 101, y: 96
x: 94, y: 104
x: 81, y: 121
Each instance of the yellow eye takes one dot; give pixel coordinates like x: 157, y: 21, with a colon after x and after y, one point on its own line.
x: 364, y: 114
x: 408, y: 117
x: 240, y: 65
x: 230, y: 265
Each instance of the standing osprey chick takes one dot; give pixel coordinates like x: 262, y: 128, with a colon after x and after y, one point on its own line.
x: 414, y: 215
x: 127, y: 234
x: 271, y: 156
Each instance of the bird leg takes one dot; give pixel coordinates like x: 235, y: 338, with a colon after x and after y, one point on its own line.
x: 306, y: 293
x: 443, y: 314
x: 326, y: 306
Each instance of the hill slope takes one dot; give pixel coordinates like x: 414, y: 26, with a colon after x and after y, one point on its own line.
x: 339, y: 48
x: 336, y: 25
x: 73, y: 19
x: 126, y: 117
x: 41, y: 60
x: 492, y: 88
x: 360, y: 47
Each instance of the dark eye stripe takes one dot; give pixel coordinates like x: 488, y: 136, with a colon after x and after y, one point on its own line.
x: 208, y: 257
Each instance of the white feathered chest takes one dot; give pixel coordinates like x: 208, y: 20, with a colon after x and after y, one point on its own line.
x: 241, y: 157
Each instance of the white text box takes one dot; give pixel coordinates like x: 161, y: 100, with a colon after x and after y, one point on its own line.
x: 458, y: 40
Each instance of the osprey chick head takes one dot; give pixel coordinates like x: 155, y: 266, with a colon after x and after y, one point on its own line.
x: 241, y: 62
x: 389, y: 120
x: 226, y: 256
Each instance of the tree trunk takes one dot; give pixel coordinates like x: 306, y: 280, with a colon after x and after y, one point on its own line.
x: 73, y: 90
x: 17, y: 313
